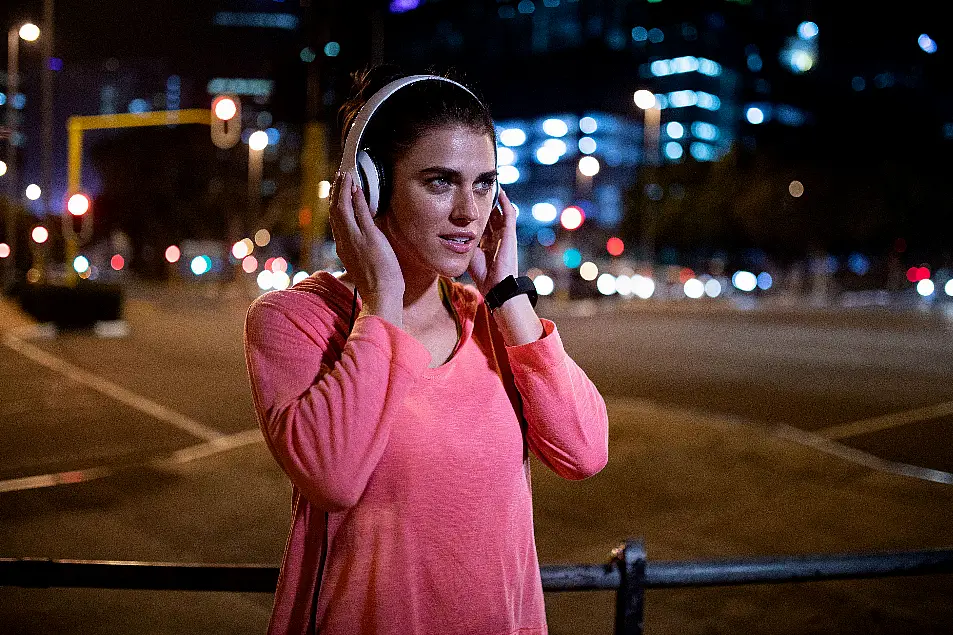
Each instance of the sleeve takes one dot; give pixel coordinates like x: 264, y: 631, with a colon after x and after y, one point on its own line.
x: 567, y: 422
x: 327, y: 426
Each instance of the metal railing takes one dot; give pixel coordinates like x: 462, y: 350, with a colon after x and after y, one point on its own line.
x: 629, y: 573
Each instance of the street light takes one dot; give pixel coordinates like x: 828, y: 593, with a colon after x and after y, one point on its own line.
x: 226, y: 124
x: 257, y: 143
x: 647, y: 101
x: 28, y: 32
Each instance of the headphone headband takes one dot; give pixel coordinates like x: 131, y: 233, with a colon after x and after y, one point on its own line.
x: 355, y: 158
x: 356, y: 132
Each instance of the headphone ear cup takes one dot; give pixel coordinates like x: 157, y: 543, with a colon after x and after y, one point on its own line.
x: 370, y: 177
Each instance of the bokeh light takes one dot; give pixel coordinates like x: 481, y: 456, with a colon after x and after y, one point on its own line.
x: 605, y: 284
x: 172, y: 253
x: 264, y: 279
x: 744, y: 281
x: 572, y: 258
x: 546, y: 236
x: 588, y: 166
x: 33, y: 191
x: 588, y: 125
x: 694, y: 288
x: 796, y: 189
x: 117, y: 262
x: 644, y: 99
x: 544, y: 284
x: 555, y: 127
x: 4, y: 250
x: 29, y: 32
x: 225, y: 108
x: 807, y: 30
x: 507, y: 174
x: 258, y: 140
x: 588, y: 270
x: 643, y: 286
x: 925, y: 287
x: 200, y: 265
x: 80, y: 264
x: 39, y: 234
x: 280, y: 280
x: 615, y: 246
x: 623, y: 285
x: 78, y: 204
x: 512, y: 137
x: 262, y: 237
x: 572, y: 217
x: 712, y: 288
x: 249, y: 264
x: 240, y: 250
x: 545, y: 212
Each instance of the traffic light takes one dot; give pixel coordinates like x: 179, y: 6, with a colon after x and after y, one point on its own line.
x: 80, y: 211
x: 78, y: 204
x: 226, y: 121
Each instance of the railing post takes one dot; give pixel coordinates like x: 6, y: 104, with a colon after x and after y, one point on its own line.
x: 630, y: 599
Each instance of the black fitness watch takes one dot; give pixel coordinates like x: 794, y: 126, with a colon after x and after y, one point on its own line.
x: 510, y: 287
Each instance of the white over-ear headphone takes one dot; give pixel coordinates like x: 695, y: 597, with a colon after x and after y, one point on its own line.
x: 369, y: 173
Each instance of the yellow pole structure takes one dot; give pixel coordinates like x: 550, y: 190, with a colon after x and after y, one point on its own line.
x: 77, y: 125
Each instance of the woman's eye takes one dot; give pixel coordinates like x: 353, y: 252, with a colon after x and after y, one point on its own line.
x: 486, y: 185
x: 438, y: 182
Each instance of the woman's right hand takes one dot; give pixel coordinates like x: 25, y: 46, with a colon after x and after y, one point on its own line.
x: 366, y: 253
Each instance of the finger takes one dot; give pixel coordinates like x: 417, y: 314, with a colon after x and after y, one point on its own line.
x: 508, y: 209
x: 362, y: 212
x: 477, y: 268
x: 344, y: 209
x: 336, y: 188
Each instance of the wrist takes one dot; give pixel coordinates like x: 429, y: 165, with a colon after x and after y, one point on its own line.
x: 510, y: 288
x: 385, y: 306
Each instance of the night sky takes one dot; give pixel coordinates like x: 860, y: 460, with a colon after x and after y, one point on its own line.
x: 96, y: 29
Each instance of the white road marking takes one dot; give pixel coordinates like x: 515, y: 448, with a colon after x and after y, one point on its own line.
x: 830, y: 446
x: 885, y: 422
x: 111, y: 390
x: 179, y: 457
x: 214, y: 442
x: 803, y: 437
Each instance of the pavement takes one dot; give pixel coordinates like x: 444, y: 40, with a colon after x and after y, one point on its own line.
x: 12, y: 316
x: 693, y: 484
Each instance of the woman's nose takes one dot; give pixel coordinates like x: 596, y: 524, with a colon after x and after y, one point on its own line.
x: 466, y: 207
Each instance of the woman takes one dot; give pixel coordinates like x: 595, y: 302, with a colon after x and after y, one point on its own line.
x: 404, y: 421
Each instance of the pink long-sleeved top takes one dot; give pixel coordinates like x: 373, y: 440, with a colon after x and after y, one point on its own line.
x: 411, y: 485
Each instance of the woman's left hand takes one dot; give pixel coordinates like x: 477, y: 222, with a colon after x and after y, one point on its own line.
x: 495, y: 258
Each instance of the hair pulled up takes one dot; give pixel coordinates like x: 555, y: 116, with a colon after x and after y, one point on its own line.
x: 411, y: 112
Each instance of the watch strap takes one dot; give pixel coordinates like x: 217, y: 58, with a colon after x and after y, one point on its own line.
x: 510, y: 287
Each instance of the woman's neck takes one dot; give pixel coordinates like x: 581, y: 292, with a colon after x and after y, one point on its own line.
x: 423, y: 302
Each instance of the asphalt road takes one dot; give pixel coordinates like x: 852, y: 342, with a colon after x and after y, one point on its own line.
x: 732, y: 434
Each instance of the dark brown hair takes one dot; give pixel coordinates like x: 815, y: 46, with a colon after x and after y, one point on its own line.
x: 410, y: 113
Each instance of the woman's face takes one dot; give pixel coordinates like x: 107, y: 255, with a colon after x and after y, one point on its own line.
x: 441, y: 201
